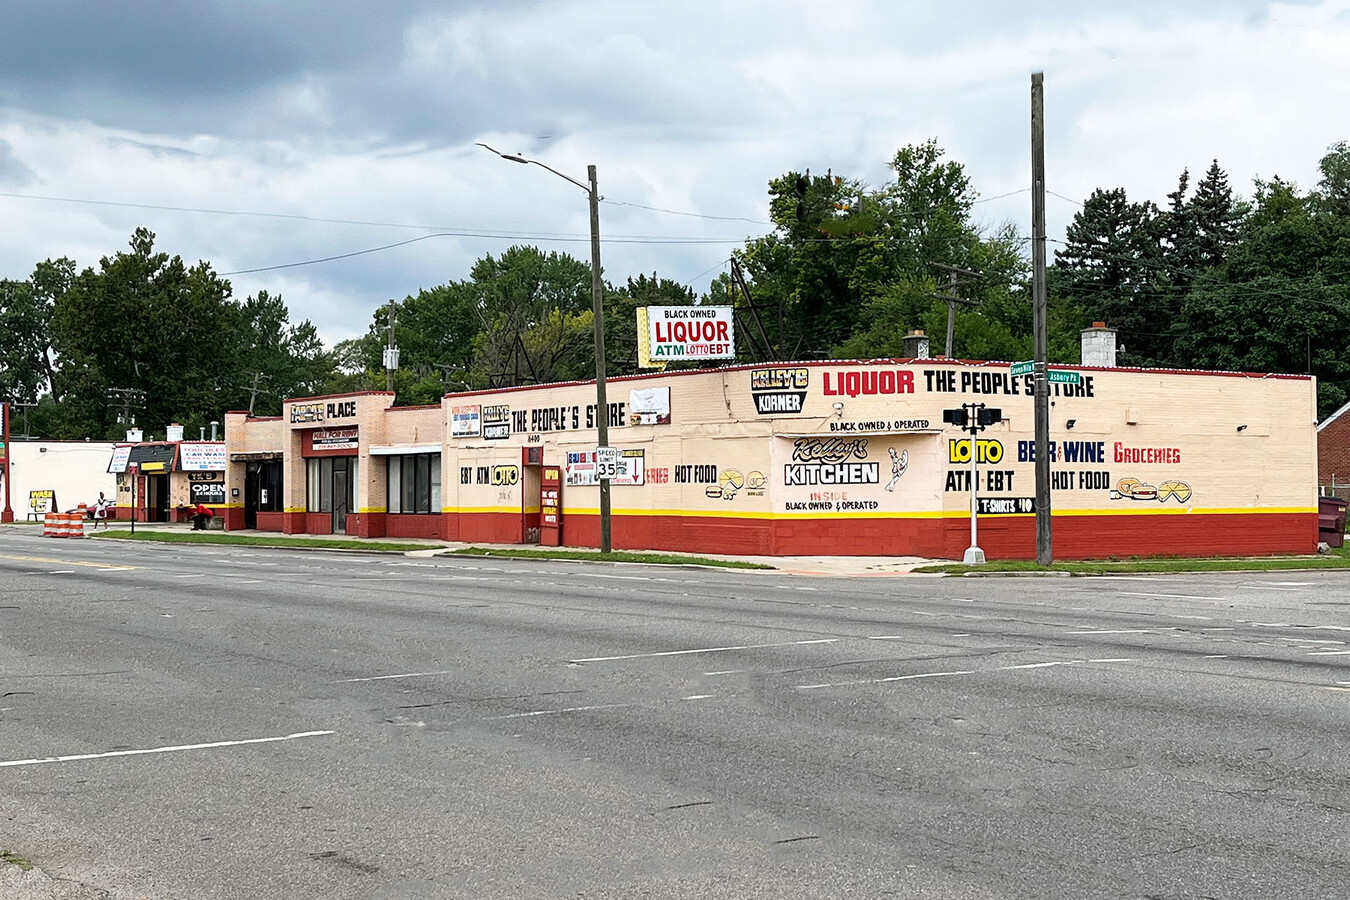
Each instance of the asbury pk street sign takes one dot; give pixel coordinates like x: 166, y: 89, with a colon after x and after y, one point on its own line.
x: 1056, y: 377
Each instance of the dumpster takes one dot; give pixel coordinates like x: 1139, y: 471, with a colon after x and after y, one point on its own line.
x: 1331, y: 520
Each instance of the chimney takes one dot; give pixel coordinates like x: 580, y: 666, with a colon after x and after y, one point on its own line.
x: 1099, y: 346
x: 916, y: 345
x: 173, y: 433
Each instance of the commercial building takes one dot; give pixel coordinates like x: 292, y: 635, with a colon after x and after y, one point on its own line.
x: 159, y: 481
x: 820, y: 458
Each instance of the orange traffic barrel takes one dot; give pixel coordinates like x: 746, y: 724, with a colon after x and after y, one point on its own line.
x: 75, y: 524
x: 52, y: 525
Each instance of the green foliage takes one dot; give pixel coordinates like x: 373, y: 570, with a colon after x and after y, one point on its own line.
x: 147, y: 322
x: 1216, y: 282
x: 854, y: 269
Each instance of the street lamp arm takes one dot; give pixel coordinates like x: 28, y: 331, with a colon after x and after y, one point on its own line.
x: 533, y: 162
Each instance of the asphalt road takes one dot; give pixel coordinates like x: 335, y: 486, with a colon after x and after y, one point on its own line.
x: 186, y: 723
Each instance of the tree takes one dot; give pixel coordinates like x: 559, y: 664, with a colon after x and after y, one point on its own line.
x: 853, y: 269
x: 282, y: 359
x: 26, y: 368
x: 1111, y: 266
x: 1281, y: 297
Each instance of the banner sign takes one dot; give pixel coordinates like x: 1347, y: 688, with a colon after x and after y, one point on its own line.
x: 583, y: 470
x: 691, y: 332
x: 120, y: 456
x: 201, y: 457
x: 335, y: 439
x: 465, y: 421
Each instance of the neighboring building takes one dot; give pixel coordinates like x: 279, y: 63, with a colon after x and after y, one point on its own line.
x: 820, y: 458
x: 157, y: 481
x: 58, y: 476
x: 1333, y: 454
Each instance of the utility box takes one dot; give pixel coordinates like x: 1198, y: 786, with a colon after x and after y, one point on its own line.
x: 1331, y: 520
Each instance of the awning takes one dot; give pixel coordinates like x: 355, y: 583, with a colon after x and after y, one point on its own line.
x: 255, y: 454
x: 404, y: 449
x: 152, y: 458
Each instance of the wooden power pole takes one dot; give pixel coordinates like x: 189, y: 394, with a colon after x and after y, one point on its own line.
x: 1039, y: 311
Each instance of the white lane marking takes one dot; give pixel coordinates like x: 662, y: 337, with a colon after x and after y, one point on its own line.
x: 1120, y: 631
x: 174, y: 749
x: 699, y: 697
x: 250, y: 581
x: 886, y: 637
x: 1217, y: 656
x: 194, y: 575
x: 62, y: 572
x: 1288, y: 583
x: 1168, y: 596
x: 962, y: 634
x: 388, y: 677
x: 894, y: 678
x: 1329, y: 652
x: 724, y: 672
x: 812, y: 687
x: 1178, y: 616
x: 701, y: 650
x: 555, y: 712
x: 117, y: 569
x: 1296, y: 640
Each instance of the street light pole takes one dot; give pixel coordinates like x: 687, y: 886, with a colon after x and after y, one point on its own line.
x: 598, y: 312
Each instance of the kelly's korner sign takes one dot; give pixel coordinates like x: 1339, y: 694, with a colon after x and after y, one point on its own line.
x: 691, y: 332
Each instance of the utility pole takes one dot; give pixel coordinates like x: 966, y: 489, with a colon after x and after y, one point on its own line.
x: 598, y: 310
x: 390, y: 352
x: 255, y: 390
x: 952, y: 297
x: 1039, y: 312
x: 125, y: 400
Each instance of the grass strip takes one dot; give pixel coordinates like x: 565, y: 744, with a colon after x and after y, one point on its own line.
x: 1338, y: 558
x: 251, y: 540
x: 665, y: 559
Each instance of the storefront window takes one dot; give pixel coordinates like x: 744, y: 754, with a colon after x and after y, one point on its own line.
x: 415, y: 483
x: 269, y: 484
x: 319, y: 482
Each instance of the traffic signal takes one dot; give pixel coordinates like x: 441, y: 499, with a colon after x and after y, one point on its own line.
x: 958, y: 417
x: 990, y: 416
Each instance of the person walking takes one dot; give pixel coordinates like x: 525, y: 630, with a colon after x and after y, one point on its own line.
x: 101, y: 510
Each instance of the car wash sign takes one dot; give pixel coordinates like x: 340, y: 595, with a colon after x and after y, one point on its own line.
x: 691, y: 332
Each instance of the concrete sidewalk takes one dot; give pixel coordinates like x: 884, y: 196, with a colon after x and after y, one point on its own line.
x: 863, y: 566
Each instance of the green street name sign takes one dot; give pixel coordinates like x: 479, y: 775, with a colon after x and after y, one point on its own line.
x: 1021, y: 368
x: 1056, y: 377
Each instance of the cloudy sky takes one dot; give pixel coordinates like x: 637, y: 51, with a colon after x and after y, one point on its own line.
x: 261, y: 133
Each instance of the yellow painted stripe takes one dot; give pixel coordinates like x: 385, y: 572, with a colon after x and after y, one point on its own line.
x: 69, y: 562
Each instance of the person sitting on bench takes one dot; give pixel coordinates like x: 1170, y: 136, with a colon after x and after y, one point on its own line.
x: 200, y: 516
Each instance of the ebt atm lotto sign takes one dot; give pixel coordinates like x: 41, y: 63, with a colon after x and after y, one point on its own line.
x: 691, y: 332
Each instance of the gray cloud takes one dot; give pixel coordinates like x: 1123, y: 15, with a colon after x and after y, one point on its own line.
x: 13, y: 171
